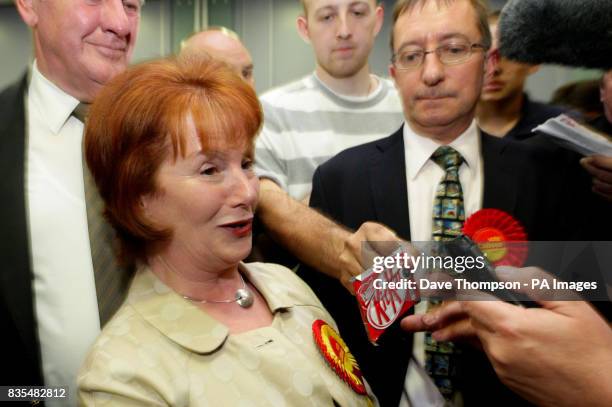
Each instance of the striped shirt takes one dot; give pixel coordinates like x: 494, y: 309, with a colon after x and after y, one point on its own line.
x: 306, y: 123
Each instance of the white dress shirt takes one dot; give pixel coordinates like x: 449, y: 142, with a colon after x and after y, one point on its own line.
x: 64, y: 287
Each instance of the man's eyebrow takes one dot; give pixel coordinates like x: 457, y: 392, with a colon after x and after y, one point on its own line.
x: 453, y: 35
x: 325, y: 8
x: 443, y: 37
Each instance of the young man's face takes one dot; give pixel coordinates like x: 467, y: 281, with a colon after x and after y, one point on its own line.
x: 508, y: 78
x: 342, y: 33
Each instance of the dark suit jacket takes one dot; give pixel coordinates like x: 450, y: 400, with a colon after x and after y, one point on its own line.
x: 533, y: 114
x: 20, y: 341
x: 368, y: 183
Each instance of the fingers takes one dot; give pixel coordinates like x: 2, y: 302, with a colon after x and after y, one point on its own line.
x: 600, y: 167
x: 461, y: 330
x: 487, y: 315
x: 436, y: 319
x: 369, y: 241
x: 602, y: 189
x: 413, y: 323
x: 447, y: 323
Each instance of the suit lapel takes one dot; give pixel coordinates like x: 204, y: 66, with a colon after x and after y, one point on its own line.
x: 388, y: 183
x: 16, y: 275
x: 500, y: 189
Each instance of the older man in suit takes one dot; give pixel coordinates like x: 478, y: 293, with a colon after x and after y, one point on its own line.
x: 51, y: 304
x: 439, y: 64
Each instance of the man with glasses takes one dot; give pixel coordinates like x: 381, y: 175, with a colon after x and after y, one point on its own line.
x: 404, y: 181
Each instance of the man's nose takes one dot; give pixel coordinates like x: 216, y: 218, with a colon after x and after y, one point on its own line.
x: 114, y: 18
x: 344, y: 29
x: 433, y: 69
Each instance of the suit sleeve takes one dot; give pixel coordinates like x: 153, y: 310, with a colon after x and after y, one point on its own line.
x: 318, y: 198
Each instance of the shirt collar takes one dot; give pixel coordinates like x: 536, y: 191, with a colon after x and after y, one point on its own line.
x: 278, y: 300
x: 419, y: 148
x: 50, y: 101
x: 184, y: 322
x: 355, y: 102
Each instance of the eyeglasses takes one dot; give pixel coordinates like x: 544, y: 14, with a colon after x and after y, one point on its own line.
x: 448, y: 54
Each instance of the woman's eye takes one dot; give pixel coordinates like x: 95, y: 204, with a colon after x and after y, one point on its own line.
x: 210, y: 170
x: 247, y: 164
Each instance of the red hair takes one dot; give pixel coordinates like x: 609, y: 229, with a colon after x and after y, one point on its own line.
x: 139, y: 119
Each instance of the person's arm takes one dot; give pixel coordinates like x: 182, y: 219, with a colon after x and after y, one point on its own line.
x: 600, y: 167
x: 313, y: 238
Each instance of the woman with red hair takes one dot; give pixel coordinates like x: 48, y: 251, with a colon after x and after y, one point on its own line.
x: 170, y: 146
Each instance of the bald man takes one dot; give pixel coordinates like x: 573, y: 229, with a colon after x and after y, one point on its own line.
x: 225, y: 45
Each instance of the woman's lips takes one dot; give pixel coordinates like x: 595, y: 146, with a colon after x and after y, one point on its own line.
x: 240, y: 228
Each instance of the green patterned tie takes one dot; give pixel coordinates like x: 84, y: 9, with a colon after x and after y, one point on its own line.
x: 112, y: 280
x: 448, y: 212
x: 448, y: 218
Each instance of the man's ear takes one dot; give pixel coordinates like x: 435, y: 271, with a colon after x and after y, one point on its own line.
x: 380, y: 18
x: 392, y: 71
x: 27, y: 11
x: 302, y: 27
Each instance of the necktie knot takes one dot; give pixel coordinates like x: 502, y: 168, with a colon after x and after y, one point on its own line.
x: 447, y: 157
x: 81, y: 111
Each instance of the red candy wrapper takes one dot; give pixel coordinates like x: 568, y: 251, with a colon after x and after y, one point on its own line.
x: 380, y: 307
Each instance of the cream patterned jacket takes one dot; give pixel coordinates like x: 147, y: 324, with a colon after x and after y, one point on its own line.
x: 160, y: 349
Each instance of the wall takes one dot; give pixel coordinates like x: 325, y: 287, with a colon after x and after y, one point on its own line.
x: 266, y: 26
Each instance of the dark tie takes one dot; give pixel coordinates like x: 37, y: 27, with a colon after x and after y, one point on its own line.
x: 112, y: 279
x: 448, y: 218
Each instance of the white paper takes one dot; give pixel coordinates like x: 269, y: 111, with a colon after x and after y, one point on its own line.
x: 576, y: 136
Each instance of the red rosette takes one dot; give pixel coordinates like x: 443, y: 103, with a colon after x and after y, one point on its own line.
x: 338, y: 356
x: 500, y: 237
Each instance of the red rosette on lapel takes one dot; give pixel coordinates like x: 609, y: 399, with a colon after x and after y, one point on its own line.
x: 338, y: 356
x: 500, y: 237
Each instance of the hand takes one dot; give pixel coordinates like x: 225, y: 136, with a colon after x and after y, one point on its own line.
x: 557, y: 355
x: 360, y: 247
x: 450, y: 322
x: 446, y: 322
x: 600, y: 167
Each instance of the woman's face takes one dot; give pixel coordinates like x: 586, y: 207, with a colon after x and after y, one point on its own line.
x: 208, y: 200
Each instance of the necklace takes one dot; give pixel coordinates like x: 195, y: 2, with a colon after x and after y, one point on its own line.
x: 243, y: 297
